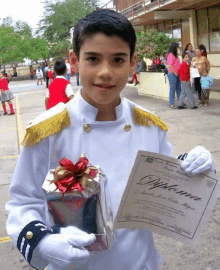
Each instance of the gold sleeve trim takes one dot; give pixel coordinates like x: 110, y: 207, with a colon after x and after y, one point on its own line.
x: 46, y: 128
x: 144, y: 118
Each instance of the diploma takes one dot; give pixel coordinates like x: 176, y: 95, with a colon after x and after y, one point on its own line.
x: 162, y: 198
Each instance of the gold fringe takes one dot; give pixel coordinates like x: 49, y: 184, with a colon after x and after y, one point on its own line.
x: 144, y: 118
x: 46, y: 128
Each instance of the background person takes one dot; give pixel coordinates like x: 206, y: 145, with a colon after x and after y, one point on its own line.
x: 6, y: 94
x: 173, y: 64
x: 60, y: 89
x: 46, y: 74
x: 189, y: 49
x: 186, y: 89
x: 206, y: 84
x: 39, y: 75
x: 139, y: 67
x: 200, y: 62
x: 203, y: 50
x: 68, y: 70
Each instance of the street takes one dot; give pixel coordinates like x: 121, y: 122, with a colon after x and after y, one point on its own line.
x: 187, y: 129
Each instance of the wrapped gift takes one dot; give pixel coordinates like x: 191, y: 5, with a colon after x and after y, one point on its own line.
x: 76, y: 196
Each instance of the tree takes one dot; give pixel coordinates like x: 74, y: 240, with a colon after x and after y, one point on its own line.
x: 23, y: 28
x: 58, y: 19
x: 17, y: 43
x: 13, y: 47
x: 152, y: 44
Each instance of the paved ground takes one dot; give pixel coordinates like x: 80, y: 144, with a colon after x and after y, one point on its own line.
x: 188, y: 128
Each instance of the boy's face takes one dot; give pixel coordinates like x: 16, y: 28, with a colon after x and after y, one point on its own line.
x: 204, y: 73
x: 104, y: 65
x: 186, y: 58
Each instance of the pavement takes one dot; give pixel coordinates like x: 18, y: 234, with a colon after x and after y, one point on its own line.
x: 187, y: 129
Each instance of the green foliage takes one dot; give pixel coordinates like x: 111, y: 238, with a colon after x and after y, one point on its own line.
x: 12, y: 46
x: 23, y: 29
x: 152, y: 44
x: 58, y: 19
x: 17, y: 43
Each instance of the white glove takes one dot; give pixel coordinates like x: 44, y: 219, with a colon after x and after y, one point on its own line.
x: 198, y: 160
x: 63, y: 250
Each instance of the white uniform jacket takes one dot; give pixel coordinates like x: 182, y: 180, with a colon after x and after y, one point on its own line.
x: 108, y: 144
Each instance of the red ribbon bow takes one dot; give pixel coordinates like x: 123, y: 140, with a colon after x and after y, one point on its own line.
x: 67, y: 175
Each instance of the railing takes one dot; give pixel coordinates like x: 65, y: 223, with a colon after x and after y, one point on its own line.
x: 135, y: 10
x: 110, y: 5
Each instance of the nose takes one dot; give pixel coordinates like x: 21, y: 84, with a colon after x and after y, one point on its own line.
x: 105, y: 71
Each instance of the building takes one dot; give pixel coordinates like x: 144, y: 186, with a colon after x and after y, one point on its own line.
x: 194, y: 21
x: 190, y: 21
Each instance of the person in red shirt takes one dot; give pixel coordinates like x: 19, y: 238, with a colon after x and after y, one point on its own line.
x: 186, y: 89
x: 6, y: 94
x: 60, y: 89
x: 50, y: 74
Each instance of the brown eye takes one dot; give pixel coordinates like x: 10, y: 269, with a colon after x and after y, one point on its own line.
x: 92, y: 59
x: 119, y: 60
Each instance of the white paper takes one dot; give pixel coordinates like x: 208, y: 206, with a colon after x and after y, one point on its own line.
x: 162, y: 198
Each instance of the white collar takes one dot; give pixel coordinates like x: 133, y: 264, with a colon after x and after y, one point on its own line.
x: 60, y: 77
x: 79, y: 105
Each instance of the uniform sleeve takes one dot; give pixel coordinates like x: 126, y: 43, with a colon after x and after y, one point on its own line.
x: 69, y: 90
x: 28, y: 218
x: 165, y: 147
x: 47, y: 94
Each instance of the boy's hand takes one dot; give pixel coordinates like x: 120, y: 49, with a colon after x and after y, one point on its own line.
x: 64, y: 250
x: 198, y: 160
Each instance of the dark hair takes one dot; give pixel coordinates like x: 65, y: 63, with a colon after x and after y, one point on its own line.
x: 60, y: 67
x: 4, y: 73
x: 186, y: 48
x: 203, y: 48
x: 173, y: 49
x: 184, y: 54
x: 106, y: 21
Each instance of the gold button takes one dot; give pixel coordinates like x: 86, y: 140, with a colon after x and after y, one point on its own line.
x: 29, y: 235
x: 87, y: 127
x: 127, y: 127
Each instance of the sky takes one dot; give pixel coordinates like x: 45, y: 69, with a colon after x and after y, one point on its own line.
x: 30, y: 11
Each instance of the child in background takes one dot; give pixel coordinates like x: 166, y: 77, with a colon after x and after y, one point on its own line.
x: 206, y: 84
x: 6, y: 94
x: 60, y: 89
x: 186, y: 89
x: 39, y: 74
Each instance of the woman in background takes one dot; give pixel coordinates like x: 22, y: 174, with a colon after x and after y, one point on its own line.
x: 173, y: 64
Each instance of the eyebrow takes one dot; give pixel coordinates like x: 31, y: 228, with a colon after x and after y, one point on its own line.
x: 114, y: 54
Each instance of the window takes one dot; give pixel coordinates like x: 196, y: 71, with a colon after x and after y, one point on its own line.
x: 202, y: 21
x: 209, y: 28
x: 215, y: 42
x: 214, y: 20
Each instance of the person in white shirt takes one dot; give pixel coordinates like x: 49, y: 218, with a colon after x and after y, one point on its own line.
x: 110, y: 131
x: 68, y: 70
x: 39, y: 75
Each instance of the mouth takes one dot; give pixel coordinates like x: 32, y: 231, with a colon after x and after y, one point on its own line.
x: 104, y: 86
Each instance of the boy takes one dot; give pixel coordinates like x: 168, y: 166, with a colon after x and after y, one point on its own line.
x: 60, y: 89
x: 206, y: 83
x: 110, y: 131
x: 186, y: 89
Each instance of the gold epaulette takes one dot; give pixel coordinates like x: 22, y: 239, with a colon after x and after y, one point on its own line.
x: 47, y: 127
x: 144, y: 118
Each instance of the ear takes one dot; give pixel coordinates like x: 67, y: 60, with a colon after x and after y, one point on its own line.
x: 133, y: 63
